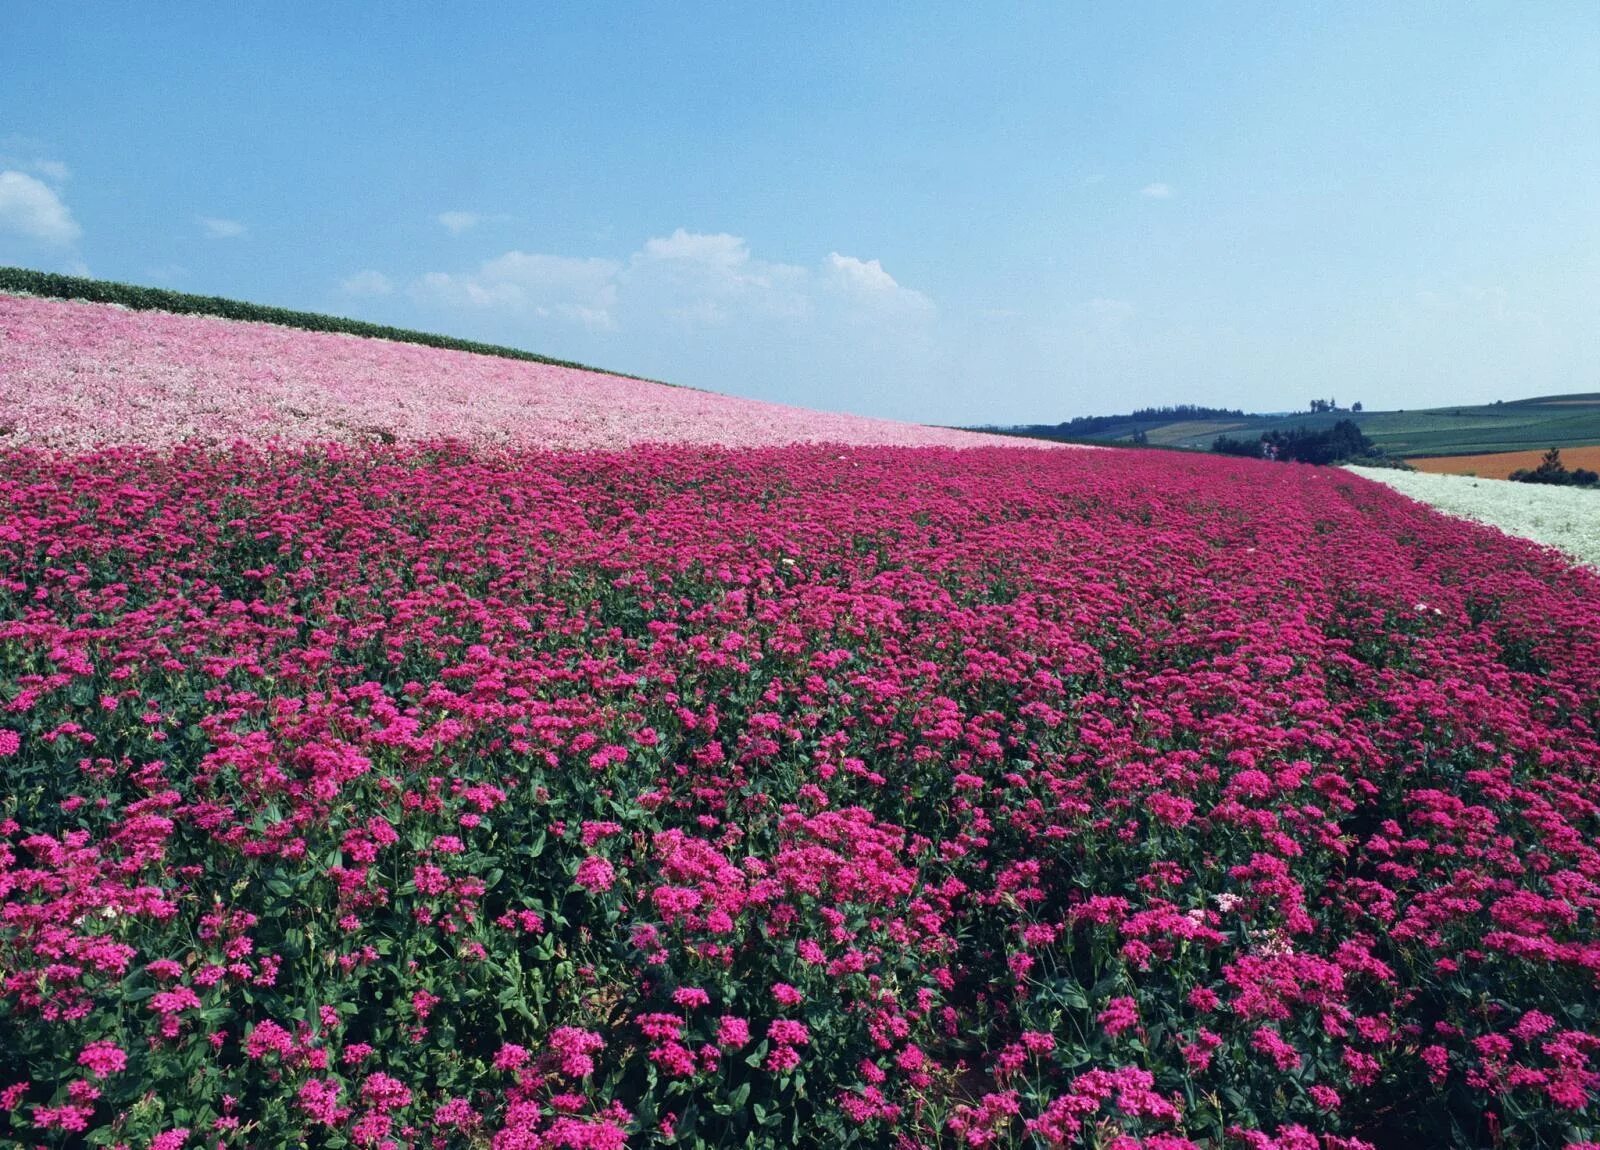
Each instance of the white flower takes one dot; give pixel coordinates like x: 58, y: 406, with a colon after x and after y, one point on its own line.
x: 1567, y: 518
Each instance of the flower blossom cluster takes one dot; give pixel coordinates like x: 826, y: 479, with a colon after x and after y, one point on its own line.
x: 411, y: 795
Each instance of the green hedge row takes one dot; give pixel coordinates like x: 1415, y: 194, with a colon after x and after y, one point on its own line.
x: 30, y: 282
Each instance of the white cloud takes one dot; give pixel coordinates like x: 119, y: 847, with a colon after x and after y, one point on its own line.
x: 694, y: 279
x: 457, y: 222
x: 24, y: 154
x: 708, y: 277
x: 580, y: 290
x: 863, y: 275
x: 32, y: 209
x: 718, y: 249
x: 704, y: 308
x: 700, y: 313
x: 220, y: 229
x: 865, y: 281
x: 368, y: 283
x: 1156, y: 191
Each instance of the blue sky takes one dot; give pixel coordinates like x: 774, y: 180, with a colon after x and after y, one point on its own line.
x: 954, y: 213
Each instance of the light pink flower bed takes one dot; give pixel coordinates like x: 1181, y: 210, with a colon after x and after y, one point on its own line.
x: 78, y: 375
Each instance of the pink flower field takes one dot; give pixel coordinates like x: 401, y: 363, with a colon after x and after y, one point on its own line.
x: 81, y: 375
x: 412, y: 794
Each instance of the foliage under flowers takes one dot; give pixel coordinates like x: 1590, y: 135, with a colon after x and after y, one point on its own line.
x: 878, y: 797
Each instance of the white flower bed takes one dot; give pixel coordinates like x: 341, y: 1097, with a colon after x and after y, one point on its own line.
x: 1567, y: 518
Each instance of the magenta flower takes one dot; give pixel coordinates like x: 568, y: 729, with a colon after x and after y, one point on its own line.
x: 1119, y: 1015
x: 595, y: 874
x: 938, y: 736
x: 103, y: 1059
x: 787, y: 995
x: 732, y: 1032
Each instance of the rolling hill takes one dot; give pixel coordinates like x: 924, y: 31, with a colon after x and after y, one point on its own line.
x: 77, y: 374
x: 1517, y: 425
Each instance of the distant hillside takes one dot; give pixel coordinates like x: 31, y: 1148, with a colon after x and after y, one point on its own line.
x: 1518, y: 425
x: 26, y: 281
x: 79, y: 376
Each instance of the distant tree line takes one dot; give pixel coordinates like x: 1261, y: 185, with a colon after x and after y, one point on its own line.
x: 1085, y: 425
x: 1343, y: 441
x: 1178, y: 411
x: 1552, y: 471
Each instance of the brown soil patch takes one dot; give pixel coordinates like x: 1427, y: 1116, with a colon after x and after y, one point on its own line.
x: 1501, y: 464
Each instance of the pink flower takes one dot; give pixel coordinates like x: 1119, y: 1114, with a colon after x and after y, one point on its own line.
x: 1532, y: 1024
x: 1269, y: 1042
x: 732, y: 1032
x: 174, y: 1001
x: 675, y: 1059
x: 510, y: 1056
x: 70, y: 1118
x: 575, y: 1049
x: 788, y: 1032
x: 319, y: 1100
x: 1119, y: 1015
x: 150, y: 378
x: 786, y: 994
x: 103, y: 1059
x: 422, y: 1004
x: 385, y: 1093
x: 690, y: 997
x: 457, y: 1113
x: 268, y: 1037
x: 989, y: 686
x: 595, y: 874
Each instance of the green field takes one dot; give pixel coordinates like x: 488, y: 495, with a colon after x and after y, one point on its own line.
x: 1541, y: 422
